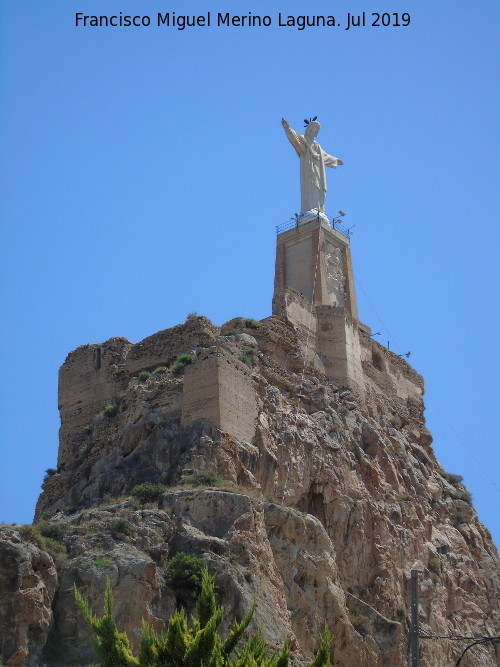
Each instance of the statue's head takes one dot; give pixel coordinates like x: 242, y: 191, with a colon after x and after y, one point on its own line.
x: 312, y: 129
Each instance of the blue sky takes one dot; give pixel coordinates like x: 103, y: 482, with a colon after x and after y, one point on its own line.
x: 143, y: 171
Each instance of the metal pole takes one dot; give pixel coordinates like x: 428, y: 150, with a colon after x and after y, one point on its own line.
x: 414, y: 618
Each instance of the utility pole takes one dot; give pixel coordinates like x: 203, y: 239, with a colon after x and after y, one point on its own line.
x: 414, y: 618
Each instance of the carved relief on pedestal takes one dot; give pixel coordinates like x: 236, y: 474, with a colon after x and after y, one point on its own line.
x: 335, y: 281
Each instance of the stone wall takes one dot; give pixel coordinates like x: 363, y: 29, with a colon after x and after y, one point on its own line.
x: 89, y: 378
x: 218, y: 387
x: 339, y: 347
x: 94, y: 375
x: 388, y: 373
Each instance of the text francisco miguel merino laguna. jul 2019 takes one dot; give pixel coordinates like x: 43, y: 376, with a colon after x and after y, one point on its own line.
x: 220, y: 19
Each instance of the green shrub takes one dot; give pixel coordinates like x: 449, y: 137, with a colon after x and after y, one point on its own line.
x: 252, y: 324
x: 246, y: 360
x: 160, y: 370
x: 192, y: 316
x: 30, y: 534
x: 401, y: 611
x: 50, y: 472
x: 228, y: 332
x: 53, y: 530
x: 121, y: 526
x: 184, y: 573
x: 148, y: 492
x: 87, y: 429
x: 33, y: 535
x: 110, y: 410
x: 190, y: 645
x: 201, y: 478
x: 452, y: 479
x: 181, y: 362
x: 250, y: 351
x: 144, y: 375
x: 53, y: 547
x: 102, y: 561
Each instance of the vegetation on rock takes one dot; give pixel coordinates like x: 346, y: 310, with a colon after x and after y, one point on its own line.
x: 250, y: 323
x: 197, y: 644
x: 201, y: 478
x: 185, y: 573
x: 148, y: 492
x: 181, y: 362
x: 34, y: 535
x: 110, y: 410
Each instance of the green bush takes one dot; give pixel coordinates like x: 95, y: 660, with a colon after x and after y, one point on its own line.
x: 53, y: 547
x: 252, y: 324
x: 50, y: 472
x: 30, y: 534
x: 192, y: 316
x: 181, y: 362
x: 452, y: 479
x: 201, y: 478
x: 102, y: 561
x: 160, y: 370
x: 246, y: 360
x: 228, y: 332
x: 53, y: 530
x: 148, y: 492
x: 110, y: 410
x: 120, y: 526
x: 144, y: 375
x: 33, y: 535
x: 401, y: 611
x: 189, y: 645
x: 87, y: 429
x: 184, y: 573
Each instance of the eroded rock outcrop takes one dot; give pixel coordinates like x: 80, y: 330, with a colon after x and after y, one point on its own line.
x: 28, y: 582
x: 328, y: 496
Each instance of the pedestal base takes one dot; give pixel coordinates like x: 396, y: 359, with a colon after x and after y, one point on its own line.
x: 313, y: 214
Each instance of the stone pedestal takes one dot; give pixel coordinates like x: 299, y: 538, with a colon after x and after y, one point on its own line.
x: 315, y: 260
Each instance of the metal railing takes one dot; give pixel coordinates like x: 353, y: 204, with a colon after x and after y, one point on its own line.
x: 294, y: 222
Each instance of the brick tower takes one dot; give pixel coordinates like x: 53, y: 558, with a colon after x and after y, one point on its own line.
x: 314, y: 290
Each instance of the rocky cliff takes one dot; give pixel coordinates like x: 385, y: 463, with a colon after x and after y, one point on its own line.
x: 320, y: 497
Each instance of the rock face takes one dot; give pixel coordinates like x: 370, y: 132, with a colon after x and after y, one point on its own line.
x: 28, y: 582
x: 328, y: 495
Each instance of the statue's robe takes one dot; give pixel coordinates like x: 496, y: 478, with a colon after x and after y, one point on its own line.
x: 313, y: 160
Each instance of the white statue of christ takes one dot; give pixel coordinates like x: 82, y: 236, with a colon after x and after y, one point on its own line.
x: 313, y: 160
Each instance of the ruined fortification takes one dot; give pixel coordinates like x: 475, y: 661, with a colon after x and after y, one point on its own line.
x: 325, y: 492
